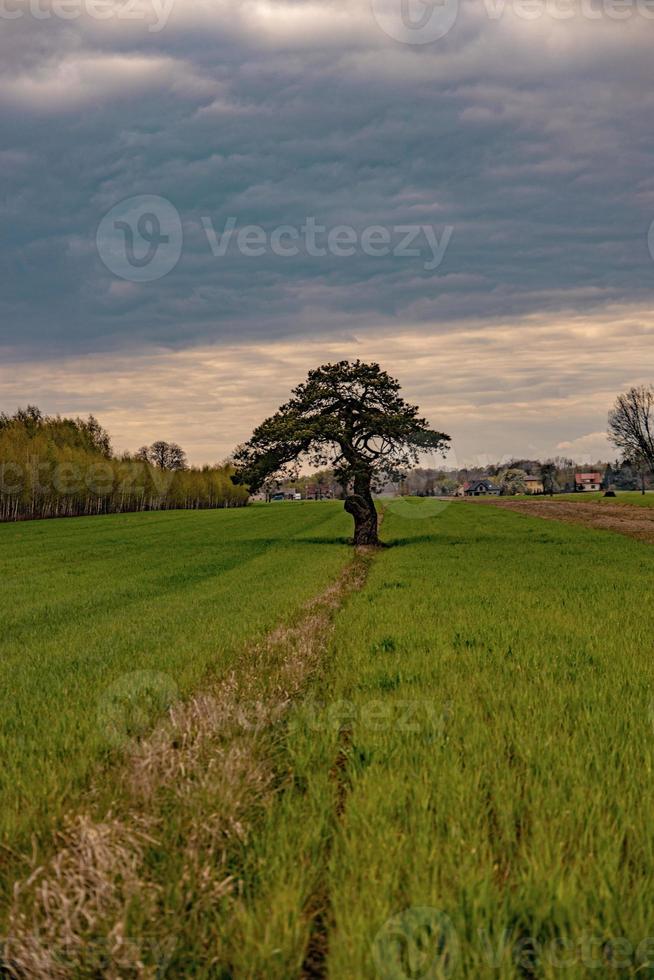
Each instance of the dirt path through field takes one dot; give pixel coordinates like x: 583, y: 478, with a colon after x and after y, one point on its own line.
x: 208, y: 771
x: 635, y: 522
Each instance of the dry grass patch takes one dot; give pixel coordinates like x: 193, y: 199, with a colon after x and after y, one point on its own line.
x: 82, y: 892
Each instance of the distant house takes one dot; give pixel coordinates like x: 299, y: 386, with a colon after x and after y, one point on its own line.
x: 478, y: 488
x: 534, y: 484
x: 312, y: 491
x: 318, y: 491
x: 585, y: 482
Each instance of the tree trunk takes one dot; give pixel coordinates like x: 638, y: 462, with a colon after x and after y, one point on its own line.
x: 362, y: 508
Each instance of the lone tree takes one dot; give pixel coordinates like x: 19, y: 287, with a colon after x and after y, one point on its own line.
x: 349, y: 416
x: 631, y: 427
x: 164, y: 455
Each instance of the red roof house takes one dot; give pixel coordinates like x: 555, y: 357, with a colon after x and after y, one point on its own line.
x: 588, y: 481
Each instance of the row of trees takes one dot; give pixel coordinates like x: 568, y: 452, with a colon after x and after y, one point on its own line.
x: 557, y: 475
x: 63, y: 467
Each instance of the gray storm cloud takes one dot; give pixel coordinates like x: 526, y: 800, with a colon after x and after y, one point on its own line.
x: 530, y: 137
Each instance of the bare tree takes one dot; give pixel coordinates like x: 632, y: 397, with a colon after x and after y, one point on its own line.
x: 631, y: 425
x: 165, y: 455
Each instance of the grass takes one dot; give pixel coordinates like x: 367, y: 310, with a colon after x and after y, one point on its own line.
x: 461, y: 781
x: 519, y: 802
x: 101, y: 612
x: 488, y: 731
x: 627, y: 497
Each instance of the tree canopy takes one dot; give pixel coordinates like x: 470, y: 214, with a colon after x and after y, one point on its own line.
x: 348, y: 415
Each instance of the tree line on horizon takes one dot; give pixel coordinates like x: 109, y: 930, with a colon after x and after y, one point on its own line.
x: 65, y: 467
x: 557, y: 474
x: 349, y: 415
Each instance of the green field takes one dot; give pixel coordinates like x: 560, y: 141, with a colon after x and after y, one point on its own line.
x: 464, y: 787
x: 86, y: 603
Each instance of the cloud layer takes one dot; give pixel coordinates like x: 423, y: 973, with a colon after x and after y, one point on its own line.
x: 535, y: 388
x: 531, y: 137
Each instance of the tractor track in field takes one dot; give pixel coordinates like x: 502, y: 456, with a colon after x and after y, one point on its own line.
x: 74, y: 902
x: 632, y: 521
x: 314, y: 965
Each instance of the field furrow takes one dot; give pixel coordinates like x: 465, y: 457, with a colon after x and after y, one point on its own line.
x: 635, y: 522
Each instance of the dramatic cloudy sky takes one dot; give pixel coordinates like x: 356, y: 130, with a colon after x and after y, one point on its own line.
x: 522, y: 138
